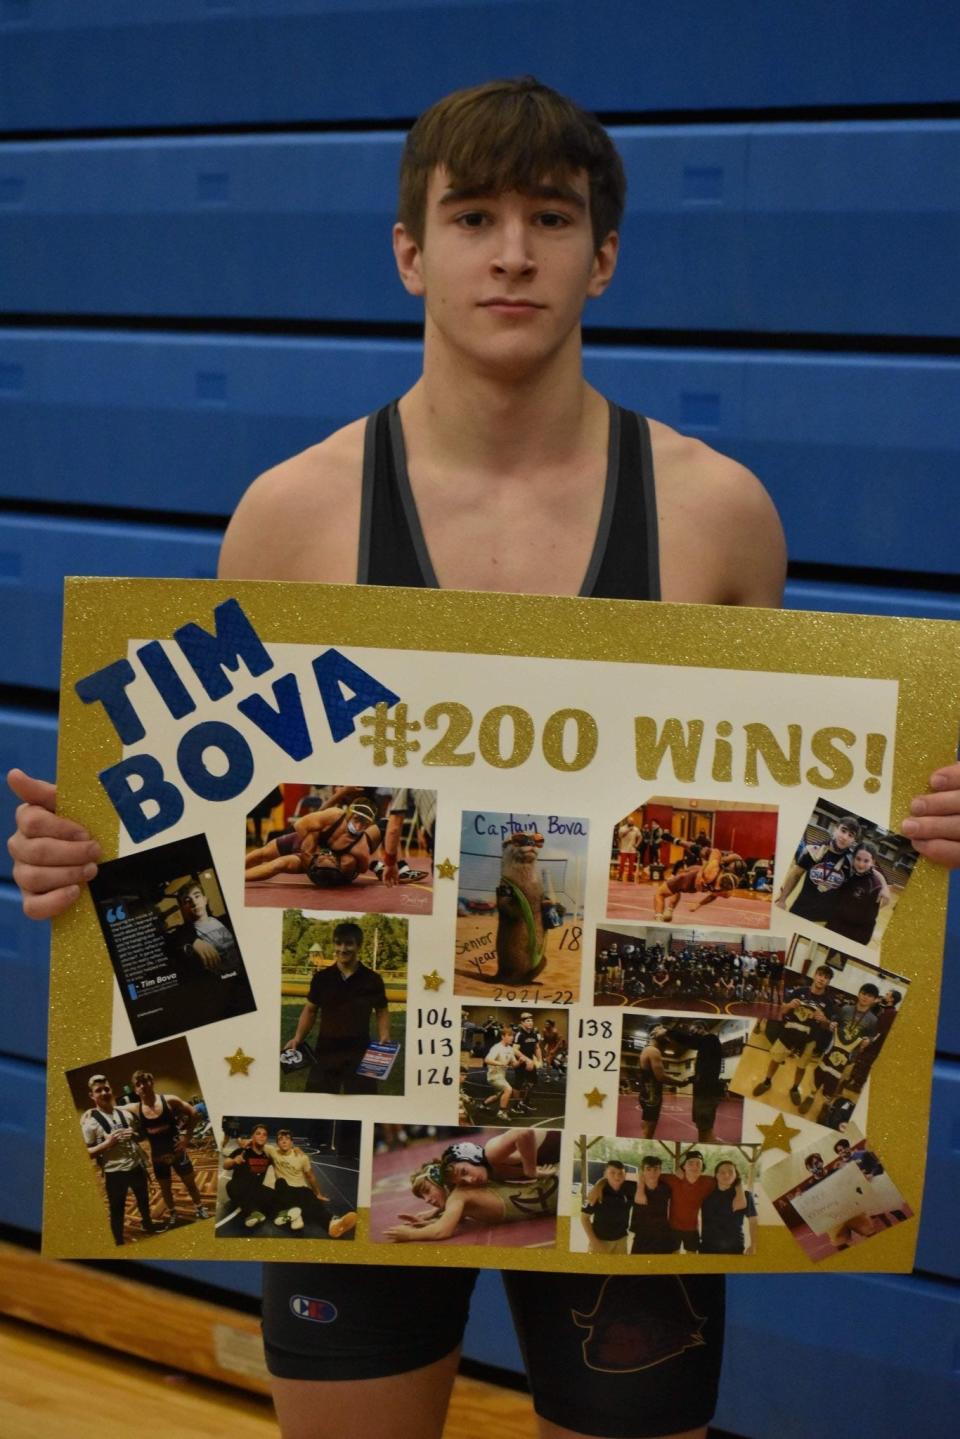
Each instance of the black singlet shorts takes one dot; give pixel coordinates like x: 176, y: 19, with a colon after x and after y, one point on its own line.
x: 623, y: 1357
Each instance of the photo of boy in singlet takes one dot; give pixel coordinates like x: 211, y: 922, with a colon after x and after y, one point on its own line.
x: 510, y: 207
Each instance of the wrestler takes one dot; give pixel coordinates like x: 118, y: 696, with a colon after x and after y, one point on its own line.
x: 168, y: 1123
x: 491, y: 1200
x: 716, y: 878
x: 511, y: 202
x: 330, y: 846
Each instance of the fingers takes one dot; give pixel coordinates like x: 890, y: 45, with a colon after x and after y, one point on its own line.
x: 37, y: 881
x: 36, y: 821
x: 49, y: 905
x: 53, y: 853
x: 32, y: 791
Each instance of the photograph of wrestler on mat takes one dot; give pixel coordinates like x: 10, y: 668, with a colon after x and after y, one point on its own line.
x: 847, y: 874
x: 145, y: 1125
x: 834, y: 1193
x: 287, y: 1178
x: 343, y: 989
x: 813, y: 1054
x: 674, y: 1078
x: 342, y: 847
x: 466, y: 1186
x: 649, y: 1197
x: 513, y: 1066
x: 696, y: 971
x: 520, y: 890
x: 170, y: 939
x: 670, y: 858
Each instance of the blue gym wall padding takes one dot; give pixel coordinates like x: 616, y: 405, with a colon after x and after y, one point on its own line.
x: 828, y: 228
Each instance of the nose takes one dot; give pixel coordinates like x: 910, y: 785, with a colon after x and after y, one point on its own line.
x: 514, y: 256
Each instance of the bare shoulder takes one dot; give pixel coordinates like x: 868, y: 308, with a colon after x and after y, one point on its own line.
x: 301, y: 519
x: 721, y: 541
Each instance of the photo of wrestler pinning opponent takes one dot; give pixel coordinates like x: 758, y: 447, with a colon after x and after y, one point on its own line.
x: 513, y: 1066
x: 813, y: 1054
x: 287, y: 1178
x: 520, y: 893
x: 671, y: 858
x: 846, y: 874
x: 695, y: 971
x: 834, y: 1193
x: 467, y: 1187
x: 367, y: 849
x: 145, y: 1126
x: 675, y: 1076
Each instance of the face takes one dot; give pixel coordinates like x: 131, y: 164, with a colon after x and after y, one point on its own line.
x: 284, y: 1143
x: 526, y: 1024
x: 433, y: 1194
x: 505, y: 277
x: 194, y: 904
x: 726, y: 1176
x: 692, y: 1169
x: 820, y: 982
x: 144, y: 1084
x: 346, y: 949
x: 651, y: 1175
x: 259, y: 1136
x: 101, y: 1095
x: 865, y: 1001
x: 614, y: 1177
x: 862, y: 861
x: 843, y: 838
x: 463, y: 1172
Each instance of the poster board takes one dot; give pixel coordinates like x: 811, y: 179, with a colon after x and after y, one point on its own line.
x: 503, y: 749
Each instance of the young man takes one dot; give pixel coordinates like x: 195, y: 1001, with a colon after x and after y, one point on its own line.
x: 246, y: 1187
x: 650, y: 1222
x: 167, y: 1122
x: 345, y: 994
x: 823, y: 868
x: 111, y: 1138
x: 607, y: 1208
x: 804, y: 1023
x: 510, y: 205
x: 297, y: 1191
x: 500, y: 1057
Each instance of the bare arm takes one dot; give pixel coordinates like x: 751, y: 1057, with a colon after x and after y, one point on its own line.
x: 792, y: 878
x: 442, y: 1227
x: 308, y: 1018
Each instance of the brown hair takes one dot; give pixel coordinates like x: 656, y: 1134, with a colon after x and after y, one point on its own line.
x: 510, y: 135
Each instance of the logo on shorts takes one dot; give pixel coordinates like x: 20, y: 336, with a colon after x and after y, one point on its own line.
x: 637, y: 1324
x: 320, y: 1311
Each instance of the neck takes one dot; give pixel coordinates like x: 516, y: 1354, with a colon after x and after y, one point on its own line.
x: 347, y: 966
x: 476, y: 419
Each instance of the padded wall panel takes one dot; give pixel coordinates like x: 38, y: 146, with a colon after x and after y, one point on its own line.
x: 840, y: 228
x: 183, y: 62
x: 25, y: 962
x: 22, y: 1126
x: 28, y: 740
x: 938, y: 1251
x: 888, y: 1343
x: 37, y: 552
x: 182, y: 423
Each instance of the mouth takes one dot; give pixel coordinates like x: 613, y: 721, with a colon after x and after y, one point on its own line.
x: 501, y: 304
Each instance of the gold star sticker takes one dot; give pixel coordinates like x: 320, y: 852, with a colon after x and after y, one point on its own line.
x: 239, y: 1063
x: 432, y: 981
x: 446, y: 869
x: 777, y: 1135
x: 594, y: 1098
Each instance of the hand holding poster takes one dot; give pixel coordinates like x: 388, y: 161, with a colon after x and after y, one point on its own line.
x: 641, y: 925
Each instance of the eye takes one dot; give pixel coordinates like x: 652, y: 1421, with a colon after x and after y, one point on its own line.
x: 472, y: 219
x: 553, y: 220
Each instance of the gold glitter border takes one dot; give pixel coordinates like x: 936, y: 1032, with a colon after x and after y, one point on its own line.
x: 102, y: 615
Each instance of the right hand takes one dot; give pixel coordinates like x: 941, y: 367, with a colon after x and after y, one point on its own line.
x: 52, y: 856
x: 207, y: 954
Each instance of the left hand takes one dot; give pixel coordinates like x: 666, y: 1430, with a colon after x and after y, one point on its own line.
x: 207, y: 955
x: 933, y: 825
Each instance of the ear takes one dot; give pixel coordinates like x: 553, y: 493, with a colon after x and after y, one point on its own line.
x: 408, y: 256
x: 604, y: 264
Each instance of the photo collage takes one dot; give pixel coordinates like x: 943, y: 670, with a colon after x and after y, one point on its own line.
x: 731, y: 1018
